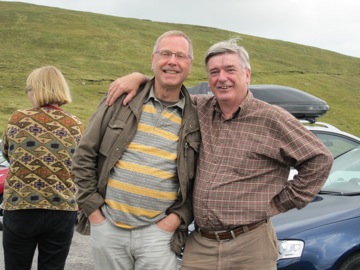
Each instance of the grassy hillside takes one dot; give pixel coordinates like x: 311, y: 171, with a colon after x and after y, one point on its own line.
x: 92, y: 50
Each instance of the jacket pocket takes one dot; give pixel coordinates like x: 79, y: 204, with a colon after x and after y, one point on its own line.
x: 113, y: 130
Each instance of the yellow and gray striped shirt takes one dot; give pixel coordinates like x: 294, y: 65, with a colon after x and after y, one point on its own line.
x: 143, y: 183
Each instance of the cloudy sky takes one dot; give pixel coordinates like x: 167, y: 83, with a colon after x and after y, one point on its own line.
x: 327, y: 24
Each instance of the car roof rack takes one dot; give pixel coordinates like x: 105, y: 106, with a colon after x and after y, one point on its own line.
x: 300, y: 104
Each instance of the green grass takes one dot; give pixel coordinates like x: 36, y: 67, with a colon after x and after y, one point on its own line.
x: 92, y: 50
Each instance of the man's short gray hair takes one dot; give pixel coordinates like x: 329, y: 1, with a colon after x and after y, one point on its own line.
x: 229, y: 46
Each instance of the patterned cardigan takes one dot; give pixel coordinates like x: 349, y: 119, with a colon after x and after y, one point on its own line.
x: 39, y: 144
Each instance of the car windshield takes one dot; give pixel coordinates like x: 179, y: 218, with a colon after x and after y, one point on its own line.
x: 344, y: 178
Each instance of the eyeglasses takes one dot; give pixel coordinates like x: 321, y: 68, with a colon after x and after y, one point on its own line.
x: 165, y: 54
x: 27, y: 90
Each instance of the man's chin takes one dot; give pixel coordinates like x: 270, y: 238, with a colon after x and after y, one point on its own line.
x: 223, y: 96
x: 173, y: 80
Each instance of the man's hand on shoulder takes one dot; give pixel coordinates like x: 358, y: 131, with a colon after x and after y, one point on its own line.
x: 128, y: 84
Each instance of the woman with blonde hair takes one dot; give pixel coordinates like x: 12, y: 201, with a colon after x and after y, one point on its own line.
x: 39, y: 197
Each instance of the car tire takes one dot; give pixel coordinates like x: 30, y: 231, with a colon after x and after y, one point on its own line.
x: 351, y: 263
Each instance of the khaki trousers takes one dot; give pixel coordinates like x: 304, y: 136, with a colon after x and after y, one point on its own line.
x: 254, y: 250
x: 145, y: 248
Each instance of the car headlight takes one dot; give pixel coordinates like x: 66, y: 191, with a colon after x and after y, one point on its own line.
x: 290, y: 249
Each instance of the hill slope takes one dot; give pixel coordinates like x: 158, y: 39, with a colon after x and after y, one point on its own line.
x: 92, y: 50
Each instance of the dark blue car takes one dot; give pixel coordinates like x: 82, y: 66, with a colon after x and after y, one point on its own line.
x: 326, y: 233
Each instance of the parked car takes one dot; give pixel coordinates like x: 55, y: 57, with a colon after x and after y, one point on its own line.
x: 326, y: 233
x: 4, y: 165
x: 3, y: 173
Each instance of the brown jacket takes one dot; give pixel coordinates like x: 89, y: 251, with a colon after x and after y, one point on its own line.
x: 110, y: 130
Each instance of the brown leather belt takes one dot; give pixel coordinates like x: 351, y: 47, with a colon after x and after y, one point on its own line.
x: 228, y: 234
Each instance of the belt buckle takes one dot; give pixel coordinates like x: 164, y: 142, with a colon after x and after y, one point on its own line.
x: 218, y: 232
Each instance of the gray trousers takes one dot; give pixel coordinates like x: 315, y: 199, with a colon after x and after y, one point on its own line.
x: 138, y: 249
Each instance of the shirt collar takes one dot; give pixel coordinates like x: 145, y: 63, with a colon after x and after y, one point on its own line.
x: 180, y: 103
x: 249, y: 97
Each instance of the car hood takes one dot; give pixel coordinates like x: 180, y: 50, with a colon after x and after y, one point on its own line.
x: 324, y: 209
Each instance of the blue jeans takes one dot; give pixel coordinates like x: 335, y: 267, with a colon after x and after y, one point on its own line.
x: 120, y: 249
x: 49, y: 230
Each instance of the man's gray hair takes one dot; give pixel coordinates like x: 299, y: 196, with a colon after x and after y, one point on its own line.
x: 229, y: 46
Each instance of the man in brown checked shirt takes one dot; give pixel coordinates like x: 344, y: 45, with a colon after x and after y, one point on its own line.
x: 248, y: 147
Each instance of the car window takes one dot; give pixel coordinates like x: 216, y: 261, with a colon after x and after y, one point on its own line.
x: 336, y: 143
x: 345, y: 173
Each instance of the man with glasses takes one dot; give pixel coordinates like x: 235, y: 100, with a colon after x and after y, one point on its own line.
x: 135, y: 167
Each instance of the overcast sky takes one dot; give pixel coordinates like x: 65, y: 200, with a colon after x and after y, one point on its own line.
x: 327, y: 24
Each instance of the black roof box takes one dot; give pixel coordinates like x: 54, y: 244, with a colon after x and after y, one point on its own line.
x: 299, y: 103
